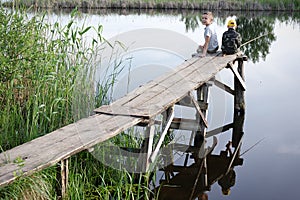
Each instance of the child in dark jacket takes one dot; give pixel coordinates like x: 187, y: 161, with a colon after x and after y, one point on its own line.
x: 231, y: 40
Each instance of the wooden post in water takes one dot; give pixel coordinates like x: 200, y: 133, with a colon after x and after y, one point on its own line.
x: 202, y: 97
x: 239, y: 90
x: 239, y: 105
x: 146, y: 149
x: 62, y: 178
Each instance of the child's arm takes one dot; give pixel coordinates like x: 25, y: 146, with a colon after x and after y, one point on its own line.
x: 205, y: 46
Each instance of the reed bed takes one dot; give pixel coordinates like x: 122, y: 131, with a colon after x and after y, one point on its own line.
x: 46, y: 82
x: 289, y: 5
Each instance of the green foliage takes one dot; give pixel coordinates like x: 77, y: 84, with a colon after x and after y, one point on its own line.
x: 46, y: 81
x: 93, y: 180
x: 250, y: 28
x: 37, y: 186
x: 46, y: 78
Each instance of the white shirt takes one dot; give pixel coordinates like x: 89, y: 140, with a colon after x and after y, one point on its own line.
x: 210, y: 31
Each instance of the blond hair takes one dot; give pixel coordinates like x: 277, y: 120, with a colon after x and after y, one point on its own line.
x: 209, y: 14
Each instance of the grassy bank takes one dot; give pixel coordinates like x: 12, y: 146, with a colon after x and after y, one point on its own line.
x: 258, y: 5
x: 46, y: 82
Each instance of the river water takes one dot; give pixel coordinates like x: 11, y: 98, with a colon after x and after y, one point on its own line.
x: 159, y: 41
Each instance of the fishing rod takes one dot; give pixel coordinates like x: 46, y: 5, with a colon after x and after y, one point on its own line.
x: 254, y: 39
x: 252, y: 146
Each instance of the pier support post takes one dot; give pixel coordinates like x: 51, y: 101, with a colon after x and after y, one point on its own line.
x: 239, y: 106
x: 62, y: 178
x: 239, y: 96
x: 202, y: 97
x: 147, y: 146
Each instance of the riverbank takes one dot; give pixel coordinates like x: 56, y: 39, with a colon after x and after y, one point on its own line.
x: 249, y: 5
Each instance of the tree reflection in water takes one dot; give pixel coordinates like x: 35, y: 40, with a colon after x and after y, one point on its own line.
x: 251, y: 28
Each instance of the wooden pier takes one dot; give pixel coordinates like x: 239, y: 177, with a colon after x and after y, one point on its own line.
x: 140, y: 107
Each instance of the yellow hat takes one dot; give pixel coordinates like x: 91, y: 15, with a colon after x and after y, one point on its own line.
x: 231, y: 23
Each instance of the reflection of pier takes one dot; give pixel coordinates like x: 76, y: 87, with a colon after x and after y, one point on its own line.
x: 199, y: 171
x: 192, y: 181
x: 140, y: 107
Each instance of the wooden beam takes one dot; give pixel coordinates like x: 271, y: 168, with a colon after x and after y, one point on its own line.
x: 162, y: 137
x: 146, y: 149
x: 239, y: 99
x: 127, y: 110
x: 237, y: 75
x: 62, y: 178
x: 187, y: 101
x: 198, y: 109
x: 219, y: 130
x: 223, y: 87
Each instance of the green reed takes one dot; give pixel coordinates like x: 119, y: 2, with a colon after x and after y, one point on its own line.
x: 46, y: 82
x: 191, y: 4
x: 43, y: 67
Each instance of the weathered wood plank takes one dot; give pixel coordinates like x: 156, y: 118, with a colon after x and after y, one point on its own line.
x: 171, y: 88
x: 162, y: 137
x: 224, y: 87
x: 199, y: 111
x: 187, y: 101
x: 146, y: 101
x: 177, y: 91
x: 219, y: 130
x: 47, y: 150
x: 238, y: 76
x: 154, y: 83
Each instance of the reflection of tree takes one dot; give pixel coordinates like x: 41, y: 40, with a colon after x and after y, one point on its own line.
x: 191, y: 21
x: 251, y: 28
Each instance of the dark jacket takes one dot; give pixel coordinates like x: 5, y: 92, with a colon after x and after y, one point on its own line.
x: 231, y: 41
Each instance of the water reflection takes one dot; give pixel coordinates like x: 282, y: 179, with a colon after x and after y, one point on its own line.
x: 193, y: 181
x: 251, y: 28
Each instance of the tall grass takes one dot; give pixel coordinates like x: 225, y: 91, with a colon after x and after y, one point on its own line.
x: 175, y: 4
x: 42, y: 68
x: 47, y: 81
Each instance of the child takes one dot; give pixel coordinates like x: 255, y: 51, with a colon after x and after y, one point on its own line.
x: 231, y: 40
x: 211, y: 44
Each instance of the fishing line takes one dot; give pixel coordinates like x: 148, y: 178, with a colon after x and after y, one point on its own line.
x: 253, y: 146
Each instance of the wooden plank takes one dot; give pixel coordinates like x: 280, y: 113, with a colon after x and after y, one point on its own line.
x: 154, y: 83
x: 239, y: 99
x: 187, y: 101
x: 178, y: 71
x: 146, y: 149
x: 162, y: 137
x: 199, y: 110
x: 58, y: 145
x: 62, y: 177
x: 127, y: 110
x: 185, y: 124
x: 177, y: 90
x: 223, y: 87
x: 238, y: 76
x: 219, y: 130
x: 165, y: 92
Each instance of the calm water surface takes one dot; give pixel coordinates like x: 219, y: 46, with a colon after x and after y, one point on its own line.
x: 270, y: 169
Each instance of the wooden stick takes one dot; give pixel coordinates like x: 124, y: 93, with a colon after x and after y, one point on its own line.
x: 198, y: 109
x: 162, y: 137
